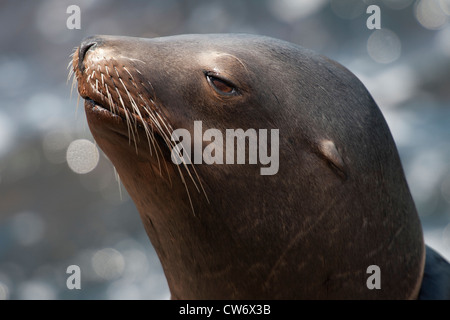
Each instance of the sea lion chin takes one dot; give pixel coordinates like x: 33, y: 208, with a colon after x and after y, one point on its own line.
x: 338, y: 204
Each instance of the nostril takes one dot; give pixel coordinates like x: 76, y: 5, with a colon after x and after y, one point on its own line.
x: 85, y: 46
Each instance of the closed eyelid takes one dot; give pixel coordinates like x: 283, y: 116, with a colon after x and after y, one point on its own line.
x: 220, y: 85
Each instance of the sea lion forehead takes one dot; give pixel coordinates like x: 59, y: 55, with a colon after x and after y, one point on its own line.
x: 234, y: 43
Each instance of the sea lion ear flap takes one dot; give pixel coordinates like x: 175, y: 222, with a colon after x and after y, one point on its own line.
x: 330, y: 153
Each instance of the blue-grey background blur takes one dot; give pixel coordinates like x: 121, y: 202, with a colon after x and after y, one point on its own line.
x: 52, y: 217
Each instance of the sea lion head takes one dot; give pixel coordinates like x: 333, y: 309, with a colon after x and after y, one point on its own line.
x: 336, y: 203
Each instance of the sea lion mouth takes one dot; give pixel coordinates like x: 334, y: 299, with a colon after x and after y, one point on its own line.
x: 98, y: 107
x: 115, y: 121
x: 120, y: 117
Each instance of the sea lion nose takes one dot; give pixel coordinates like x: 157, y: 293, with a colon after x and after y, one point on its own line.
x: 86, y: 45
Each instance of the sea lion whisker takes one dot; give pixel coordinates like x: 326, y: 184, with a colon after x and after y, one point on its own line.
x: 151, y: 113
x: 153, y: 90
x: 124, y: 107
x: 130, y: 130
x: 183, y: 161
x: 110, y: 100
x: 132, y: 59
x: 115, y: 110
x: 172, y: 146
x: 168, y: 127
x: 187, y: 168
x: 151, y: 142
x: 70, y: 64
x: 133, y: 121
x: 78, y: 103
x: 133, y: 82
x: 125, y: 68
x: 117, y: 72
x: 120, y: 97
x: 150, y: 138
x: 154, y: 120
x: 165, y: 165
x: 187, y: 190
x: 170, y: 143
x: 74, y: 83
x: 116, y: 175
x: 163, y: 135
x: 135, y: 106
x: 184, y: 180
x: 71, y: 73
x: 133, y: 103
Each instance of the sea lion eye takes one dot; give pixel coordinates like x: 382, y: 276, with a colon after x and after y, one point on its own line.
x: 221, y: 86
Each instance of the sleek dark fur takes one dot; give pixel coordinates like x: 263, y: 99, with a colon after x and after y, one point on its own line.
x: 338, y: 204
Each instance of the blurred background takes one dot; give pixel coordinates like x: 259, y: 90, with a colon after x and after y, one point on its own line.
x: 54, y: 214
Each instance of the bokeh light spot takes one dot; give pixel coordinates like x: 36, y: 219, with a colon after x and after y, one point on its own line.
x: 445, y: 6
x: 384, y: 46
x: 430, y: 14
x: 108, y: 263
x: 82, y: 156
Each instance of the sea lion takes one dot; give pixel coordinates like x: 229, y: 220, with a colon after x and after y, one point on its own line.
x: 338, y: 204
x: 436, y: 278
